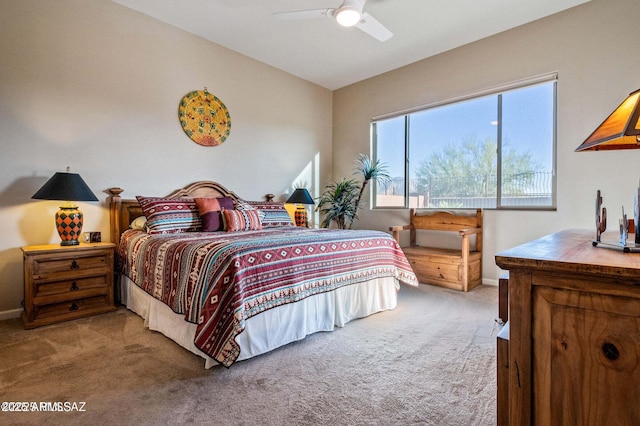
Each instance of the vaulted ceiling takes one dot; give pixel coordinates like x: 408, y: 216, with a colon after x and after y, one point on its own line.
x: 322, y: 52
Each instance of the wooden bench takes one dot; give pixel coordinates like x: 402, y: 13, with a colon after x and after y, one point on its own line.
x: 459, y: 269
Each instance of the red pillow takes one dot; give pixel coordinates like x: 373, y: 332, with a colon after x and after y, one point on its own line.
x: 209, y: 210
x: 241, y: 220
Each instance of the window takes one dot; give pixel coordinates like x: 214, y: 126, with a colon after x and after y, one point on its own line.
x: 493, y: 150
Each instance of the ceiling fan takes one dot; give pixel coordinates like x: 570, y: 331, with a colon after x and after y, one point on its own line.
x: 349, y: 14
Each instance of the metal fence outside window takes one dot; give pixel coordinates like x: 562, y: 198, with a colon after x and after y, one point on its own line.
x: 524, y: 189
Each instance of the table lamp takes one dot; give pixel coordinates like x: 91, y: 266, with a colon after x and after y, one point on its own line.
x: 621, y: 130
x: 300, y: 197
x: 68, y: 187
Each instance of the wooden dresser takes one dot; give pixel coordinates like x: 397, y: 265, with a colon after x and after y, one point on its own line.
x: 574, y: 338
x: 67, y: 282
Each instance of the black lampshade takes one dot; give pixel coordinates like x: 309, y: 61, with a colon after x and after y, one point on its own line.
x: 300, y: 196
x: 65, y: 186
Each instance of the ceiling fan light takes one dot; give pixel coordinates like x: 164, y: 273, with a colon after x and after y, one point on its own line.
x: 347, y: 16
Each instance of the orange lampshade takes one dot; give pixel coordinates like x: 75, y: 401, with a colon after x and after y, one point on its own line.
x: 621, y: 130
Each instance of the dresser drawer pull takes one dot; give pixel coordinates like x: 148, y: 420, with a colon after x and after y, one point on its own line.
x: 74, y: 265
x: 610, y: 351
x: 74, y: 287
x: 73, y: 307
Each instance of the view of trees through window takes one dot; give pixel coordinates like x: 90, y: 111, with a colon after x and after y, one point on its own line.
x: 494, y: 151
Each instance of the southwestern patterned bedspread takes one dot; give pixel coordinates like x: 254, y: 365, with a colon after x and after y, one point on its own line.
x: 218, y: 280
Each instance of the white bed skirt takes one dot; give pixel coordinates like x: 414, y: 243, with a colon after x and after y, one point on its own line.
x: 275, y: 327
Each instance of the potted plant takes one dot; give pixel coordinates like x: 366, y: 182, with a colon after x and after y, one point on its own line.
x: 341, y: 200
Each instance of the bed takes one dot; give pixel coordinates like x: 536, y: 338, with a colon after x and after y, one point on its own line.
x: 249, y: 281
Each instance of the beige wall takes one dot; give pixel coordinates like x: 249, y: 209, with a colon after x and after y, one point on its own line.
x: 95, y: 86
x: 593, y: 49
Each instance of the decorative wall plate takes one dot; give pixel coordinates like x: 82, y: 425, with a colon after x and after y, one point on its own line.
x: 204, y: 118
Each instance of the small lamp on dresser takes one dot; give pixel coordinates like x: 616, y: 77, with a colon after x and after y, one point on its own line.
x: 67, y: 187
x: 300, y: 198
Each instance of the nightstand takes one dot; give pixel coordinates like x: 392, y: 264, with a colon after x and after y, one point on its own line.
x: 62, y: 283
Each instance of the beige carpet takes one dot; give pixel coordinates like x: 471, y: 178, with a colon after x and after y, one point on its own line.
x: 431, y: 361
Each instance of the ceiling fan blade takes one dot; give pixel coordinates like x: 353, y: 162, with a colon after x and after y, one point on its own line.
x: 375, y: 29
x: 303, y: 14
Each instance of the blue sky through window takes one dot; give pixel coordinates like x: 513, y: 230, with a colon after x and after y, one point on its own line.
x: 527, y: 126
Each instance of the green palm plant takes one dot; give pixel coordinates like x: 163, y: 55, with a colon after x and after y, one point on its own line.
x: 337, y: 203
x: 342, y: 200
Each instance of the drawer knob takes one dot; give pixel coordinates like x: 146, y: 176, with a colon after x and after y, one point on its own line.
x: 74, y: 265
x: 74, y: 286
x: 74, y: 306
x: 610, y: 351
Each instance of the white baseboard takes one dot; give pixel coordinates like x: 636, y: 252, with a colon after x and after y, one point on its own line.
x: 487, y: 281
x: 10, y: 314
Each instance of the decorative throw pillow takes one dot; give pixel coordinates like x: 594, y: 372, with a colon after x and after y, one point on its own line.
x: 241, y: 220
x: 139, y: 223
x: 275, y: 214
x: 166, y: 215
x: 243, y: 205
x: 210, y: 209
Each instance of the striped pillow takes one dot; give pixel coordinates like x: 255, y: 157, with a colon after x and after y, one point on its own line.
x: 241, y: 220
x: 275, y: 214
x: 168, y: 216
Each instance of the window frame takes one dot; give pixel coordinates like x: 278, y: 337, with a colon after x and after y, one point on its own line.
x: 497, y: 91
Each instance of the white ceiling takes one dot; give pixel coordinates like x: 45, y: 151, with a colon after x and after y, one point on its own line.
x: 320, y: 51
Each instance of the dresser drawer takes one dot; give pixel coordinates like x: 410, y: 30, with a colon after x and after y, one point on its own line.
x: 63, y: 283
x: 47, y: 266
x: 74, y: 308
x: 72, y: 287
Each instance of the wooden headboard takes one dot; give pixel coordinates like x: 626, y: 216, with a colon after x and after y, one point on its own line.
x: 123, y: 212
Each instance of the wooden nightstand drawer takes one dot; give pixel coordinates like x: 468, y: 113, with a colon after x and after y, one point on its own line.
x: 64, y: 265
x: 74, y: 308
x: 71, y: 288
x: 64, y: 283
